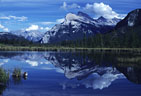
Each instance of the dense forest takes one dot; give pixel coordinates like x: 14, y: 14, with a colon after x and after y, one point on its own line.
x: 128, y: 37
x: 10, y: 39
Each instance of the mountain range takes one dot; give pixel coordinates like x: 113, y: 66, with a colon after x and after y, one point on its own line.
x: 128, y: 31
x: 80, y: 65
x: 33, y: 36
x: 77, y: 27
x: 9, y: 38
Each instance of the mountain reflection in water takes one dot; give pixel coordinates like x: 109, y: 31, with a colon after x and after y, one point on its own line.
x: 90, y: 70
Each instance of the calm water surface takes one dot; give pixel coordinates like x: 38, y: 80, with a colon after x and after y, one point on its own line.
x: 73, y: 74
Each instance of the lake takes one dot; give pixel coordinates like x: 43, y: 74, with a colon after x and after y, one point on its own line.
x: 73, y: 74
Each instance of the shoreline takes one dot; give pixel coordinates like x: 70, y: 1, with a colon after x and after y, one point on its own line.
x: 71, y: 49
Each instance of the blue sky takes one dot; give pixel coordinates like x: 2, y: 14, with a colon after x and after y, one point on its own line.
x: 43, y: 14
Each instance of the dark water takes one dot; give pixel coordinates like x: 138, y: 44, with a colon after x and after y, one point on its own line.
x: 73, y: 74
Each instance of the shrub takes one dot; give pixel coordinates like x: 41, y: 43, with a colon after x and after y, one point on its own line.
x: 4, y: 76
x: 16, y: 73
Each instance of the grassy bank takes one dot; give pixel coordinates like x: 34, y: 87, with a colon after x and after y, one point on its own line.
x: 43, y: 48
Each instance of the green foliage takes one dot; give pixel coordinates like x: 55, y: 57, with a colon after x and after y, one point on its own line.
x: 127, y: 37
x: 4, y: 76
x: 16, y: 73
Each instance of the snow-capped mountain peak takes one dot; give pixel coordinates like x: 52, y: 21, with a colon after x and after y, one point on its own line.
x: 75, y: 19
x: 75, y: 25
x: 34, y: 36
x: 71, y: 17
x: 80, y: 17
x: 103, y: 21
x: 84, y: 15
x: 101, y: 18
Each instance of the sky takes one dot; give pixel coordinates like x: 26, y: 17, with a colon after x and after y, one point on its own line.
x: 41, y: 15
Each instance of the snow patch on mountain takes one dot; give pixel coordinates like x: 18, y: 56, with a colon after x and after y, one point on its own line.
x: 71, y: 17
x: 111, y: 22
x: 81, y: 17
x: 45, y: 38
x: 77, y: 19
x: 75, y: 25
x: 132, y: 18
x: 34, y: 36
x: 3, y: 33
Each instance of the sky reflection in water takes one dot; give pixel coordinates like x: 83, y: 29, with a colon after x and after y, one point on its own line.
x: 61, y: 74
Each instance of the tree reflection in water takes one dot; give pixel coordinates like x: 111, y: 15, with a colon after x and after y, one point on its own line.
x: 96, y: 70
x: 2, y: 88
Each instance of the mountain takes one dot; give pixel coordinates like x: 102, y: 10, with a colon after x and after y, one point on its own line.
x: 77, y: 27
x: 131, y: 20
x: 131, y: 73
x: 33, y: 36
x: 109, y: 22
x: 9, y: 38
x: 126, y: 33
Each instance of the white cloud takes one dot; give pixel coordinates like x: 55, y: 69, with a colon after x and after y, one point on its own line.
x: 101, y: 9
x: 4, y: 28
x: 1, y: 26
x: 59, y: 70
x: 32, y: 27
x: 65, y: 6
x: 46, y: 28
x: 5, y: 18
x: 47, y: 23
x: 104, y: 81
x: 95, y: 81
x: 3, y: 62
x: 60, y: 20
x: 37, y: 28
x: 41, y: 28
x: 32, y: 63
x: 22, y: 18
